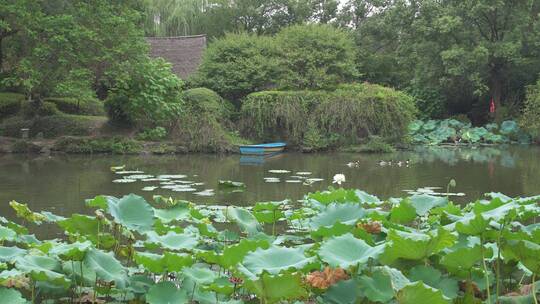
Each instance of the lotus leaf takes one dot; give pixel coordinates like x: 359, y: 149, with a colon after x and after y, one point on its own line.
x: 173, y: 240
x: 11, y: 296
x: 346, y: 250
x: 166, y: 293
x: 106, y: 266
x: 344, y: 213
x: 275, y: 259
x: 133, y: 212
x: 421, y: 293
x: 272, y: 289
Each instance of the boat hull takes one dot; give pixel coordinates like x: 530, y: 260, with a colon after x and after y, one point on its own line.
x: 262, y: 148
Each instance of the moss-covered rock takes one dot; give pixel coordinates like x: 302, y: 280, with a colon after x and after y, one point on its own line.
x: 10, y: 103
x: 345, y: 116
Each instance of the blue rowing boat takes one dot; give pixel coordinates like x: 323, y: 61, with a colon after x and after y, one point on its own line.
x: 263, y: 148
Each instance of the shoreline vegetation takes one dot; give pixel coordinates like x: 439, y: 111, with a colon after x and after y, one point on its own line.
x: 334, y: 246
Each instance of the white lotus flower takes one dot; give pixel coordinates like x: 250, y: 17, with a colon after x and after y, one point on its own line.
x: 338, y: 179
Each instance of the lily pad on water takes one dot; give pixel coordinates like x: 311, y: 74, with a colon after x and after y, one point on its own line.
x: 206, y: 192
x: 124, y: 181
x: 128, y: 172
x: 293, y: 181
x: 304, y: 173
x: 183, y: 189
x: 172, y: 176
x: 279, y: 171
x: 139, y: 176
x: 149, y: 188
x: 231, y: 184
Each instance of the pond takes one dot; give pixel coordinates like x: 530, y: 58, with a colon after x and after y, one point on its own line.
x: 61, y: 183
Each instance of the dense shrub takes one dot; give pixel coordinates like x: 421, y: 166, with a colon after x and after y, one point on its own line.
x: 315, y: 57
x: 344, y: 116
x: 146, y: 93
x: 78, y: 106
x: 203, y: 124
x: 33, y: 109
x: 376, y: 144
x: 154, y: 134
x: 530, y: 119
x: 10, y: 103
x: 237, y: 65
x: 52, y: 126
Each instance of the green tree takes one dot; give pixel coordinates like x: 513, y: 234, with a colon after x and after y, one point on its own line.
x: 146, y: 93
x: 315, y: 57
x: 237, y: 65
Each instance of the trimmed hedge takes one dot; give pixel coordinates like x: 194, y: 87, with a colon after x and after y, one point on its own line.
x: 91, y: 107
x: 52, y: 126
x: 347, y: 115
x: 10, y: 103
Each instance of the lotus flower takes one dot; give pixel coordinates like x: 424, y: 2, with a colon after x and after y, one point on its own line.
x: 339, y: 178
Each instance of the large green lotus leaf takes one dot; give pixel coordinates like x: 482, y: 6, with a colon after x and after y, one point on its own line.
x: 403, y: 213
x: 343, y: 213
x: 464, y: 259
x: 415, y: 245
x: 8, y: 274
x: 377, y: 287
x: 84, y: 225
x: 424, y: 202
x: 471, y: 224
x: 526, y: 252
x: 140, y: 284
x: 173, y: 240
x: 343, y: 292
x: 268, y: 217
x: 7, y: 234
x: 78, y: 271
x: 150, y: 261
x: 25, y: 213
x: 275, y: 259
x: 234, y: 254
x: 433, y: 278
x: 346, y: 250
x: 334, y: 196
x: 133, y: 212
x: 99, y: 201
x: 11, y: 296
x: 421, y: 293
x: 106, y: 266
x: 221, y: 285
x: 42, y: 268
x: 200, y: 274
x: 178, y: 212
x: 74, y: 251
x: 177, y: 261
x: 367, y: 198
x: 415, y: 126
x: 509, y: 127
x: 275, y: 288
x: 8, y: 254
x: 429, y: 125
x: 244, y: 219
x: 166, y: 293
x: 337, y: 229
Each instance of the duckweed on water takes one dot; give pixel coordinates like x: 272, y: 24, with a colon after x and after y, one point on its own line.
x: 335, y: 246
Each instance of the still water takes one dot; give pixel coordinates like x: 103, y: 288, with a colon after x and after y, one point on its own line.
x: 61, y: 183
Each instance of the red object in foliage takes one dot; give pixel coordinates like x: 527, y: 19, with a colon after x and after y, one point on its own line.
x: 492, y: 106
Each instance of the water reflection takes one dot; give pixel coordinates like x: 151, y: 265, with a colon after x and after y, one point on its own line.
x: 61, y: 183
